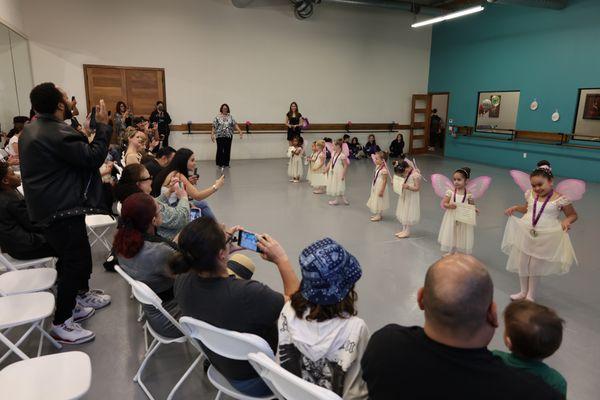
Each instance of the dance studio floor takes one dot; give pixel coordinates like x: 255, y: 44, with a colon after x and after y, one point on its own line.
x: 258, y: 196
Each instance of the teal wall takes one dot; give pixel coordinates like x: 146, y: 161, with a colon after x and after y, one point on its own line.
x: 546, y: 54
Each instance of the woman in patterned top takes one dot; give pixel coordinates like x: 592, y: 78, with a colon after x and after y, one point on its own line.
x: 222, y: 131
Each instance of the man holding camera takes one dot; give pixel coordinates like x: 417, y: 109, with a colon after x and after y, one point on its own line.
x: 61, y: 180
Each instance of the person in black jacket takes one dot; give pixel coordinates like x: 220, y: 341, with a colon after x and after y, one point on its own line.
x: 397, y: 146
x: 19, y: 237
x: 162, y: 119
x: 61, y: 180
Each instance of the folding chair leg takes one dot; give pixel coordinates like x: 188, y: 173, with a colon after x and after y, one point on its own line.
x: 138, y: 376
x: 219, y: 394
x: 12, y: 347
x: 184, y: 377
x: 45, y: 334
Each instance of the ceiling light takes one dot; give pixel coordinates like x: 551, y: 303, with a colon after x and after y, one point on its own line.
x: 446, y: 17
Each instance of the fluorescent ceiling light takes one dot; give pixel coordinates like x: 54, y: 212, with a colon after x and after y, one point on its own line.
x: 453, y: 15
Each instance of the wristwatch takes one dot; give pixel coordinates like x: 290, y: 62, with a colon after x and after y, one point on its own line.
x: 215, y: 188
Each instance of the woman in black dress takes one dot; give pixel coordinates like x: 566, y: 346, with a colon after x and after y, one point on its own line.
x: 294, y: 121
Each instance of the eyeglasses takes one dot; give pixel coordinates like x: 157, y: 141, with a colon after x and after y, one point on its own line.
x: 145, y: 179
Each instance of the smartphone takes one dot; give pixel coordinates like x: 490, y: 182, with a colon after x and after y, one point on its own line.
x: 93, y: 118
x: 248, y: 240
x: 72, y: 98
x: 195, y: 213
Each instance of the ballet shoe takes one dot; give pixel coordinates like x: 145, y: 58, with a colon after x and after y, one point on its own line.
x: 346, y: 202
x: 318, y: 192
x: 333, y: 203
x: 291, y: 180
x: 402, y: 235
x: 530, y: 298
x: 518, y: 296
x: 375, y: 218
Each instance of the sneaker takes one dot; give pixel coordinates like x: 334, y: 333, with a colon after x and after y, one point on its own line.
x: 82, y: 313
x: 70, y: 332
x: 93, y: 299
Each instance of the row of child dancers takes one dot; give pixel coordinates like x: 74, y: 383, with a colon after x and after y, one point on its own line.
x: 537, y: 244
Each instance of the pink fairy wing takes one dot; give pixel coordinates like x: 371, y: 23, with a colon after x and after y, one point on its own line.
x: 521, y: 179
x: 441, y: 184
x: 329, y: 147
x: 572, y: 189
x: 346, y: 151
x: 373, y: 159
x: 478, y: 186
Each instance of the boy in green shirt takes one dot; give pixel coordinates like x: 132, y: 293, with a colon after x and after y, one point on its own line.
x: 532, y: 333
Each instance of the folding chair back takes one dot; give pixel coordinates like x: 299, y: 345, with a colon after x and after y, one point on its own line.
x: 12, y: 264
x: 229, y: 344
x: 284, y: 384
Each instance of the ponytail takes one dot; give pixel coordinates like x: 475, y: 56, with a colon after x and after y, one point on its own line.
x: 128, y: 242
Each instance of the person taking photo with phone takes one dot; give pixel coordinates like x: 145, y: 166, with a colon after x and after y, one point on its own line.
x: 61, y: 181
x: 161, y: 119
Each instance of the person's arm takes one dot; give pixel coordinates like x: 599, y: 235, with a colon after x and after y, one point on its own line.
x: 522, y: 208
x: 131, y: 158
x: 345, y: 163
x: 18, y: 209
x: 287, y: 122
x: 167, y: 118
x: 212, y: 130
x: 74, y: 109
x: 237, y: 128
x: 385, y: 180
x: 354, y: 385
x: 197, y: 194
x: 416, y: 187
x: 176, y: 217
x: 15, y: 147
x: 272, y: 251
x: 571, y: 216
x: 447, y: 204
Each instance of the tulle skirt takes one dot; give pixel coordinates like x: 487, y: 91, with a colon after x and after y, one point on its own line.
x: 335, y: 185
x: 378, y: 204
x: 295, y: 167
x: 455, y: 235
x: 319, y: 179
x: 549, y: 252
x: 408, y: 211
x: 309, y: 174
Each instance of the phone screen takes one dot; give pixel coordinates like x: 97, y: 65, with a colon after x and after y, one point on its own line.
x: 194, y: 213
x: 248, y: 240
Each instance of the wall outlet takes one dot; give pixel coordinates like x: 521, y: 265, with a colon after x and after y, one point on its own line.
x: 524, y: 155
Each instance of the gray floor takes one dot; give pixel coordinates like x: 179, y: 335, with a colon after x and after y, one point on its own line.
x: 258, y: 196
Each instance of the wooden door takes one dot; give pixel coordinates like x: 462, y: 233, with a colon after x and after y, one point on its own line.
x: 419, y: 123
x: 139, y: 88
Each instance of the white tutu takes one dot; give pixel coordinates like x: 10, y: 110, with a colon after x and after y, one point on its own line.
x: 455, y: 235
x: 378, y: 204
x: 408, y: 211
x: 309, y: 171
x: 335, y: 185
x: 295, y: 168
x: 548, y: 252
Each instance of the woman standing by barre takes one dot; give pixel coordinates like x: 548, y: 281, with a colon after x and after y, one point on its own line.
x: 222, y: 131
x: 293, y: 121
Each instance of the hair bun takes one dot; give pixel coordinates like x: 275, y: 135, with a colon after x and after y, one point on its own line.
x: 179, y: 263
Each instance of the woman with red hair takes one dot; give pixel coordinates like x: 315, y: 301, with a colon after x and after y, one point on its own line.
x: 144, y: 256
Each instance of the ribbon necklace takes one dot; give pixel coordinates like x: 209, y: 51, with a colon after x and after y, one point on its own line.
x: 536, y: 218
x: 464, y: 197
x: 377, y: 173
x: 335, y: 160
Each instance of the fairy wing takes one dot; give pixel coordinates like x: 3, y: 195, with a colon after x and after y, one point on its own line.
x: 572, y: 189
x: 521, y: 179
x: 329, y: 147
x: 478, y: 186
x: 441, y: 184
x: 373, y: 159
x: 346, y: 151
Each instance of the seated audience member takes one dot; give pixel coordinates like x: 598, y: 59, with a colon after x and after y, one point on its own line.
x: 135, y: 178
x: 155, y: 164
x: 356, y: 150
x: 19, y: 237
x: 397, y: 147
x: 180, y: 167
x: 18, y: 124
x: 12, y: 147
x: 136, y: 147
x: 320, y: 337
x: 371, y: 147
x: 532, y: 333
x: 448, y: 357
x: 205, y: 290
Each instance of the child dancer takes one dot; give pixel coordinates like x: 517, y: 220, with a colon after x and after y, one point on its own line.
x: 310, y: 161
x: 408, y: 211
x: 295, y: 152
x: 319, y: 169
x: 458, y: 236
x: 379, y: 200
x: 336, y: 175
x: 538, y: 244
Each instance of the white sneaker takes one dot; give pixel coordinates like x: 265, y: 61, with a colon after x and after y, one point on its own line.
x: 70, y: 332
x: 94, y: 299
x: 82, y: 313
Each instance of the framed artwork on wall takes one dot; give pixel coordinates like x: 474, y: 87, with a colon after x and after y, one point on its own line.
x: 591, y: 108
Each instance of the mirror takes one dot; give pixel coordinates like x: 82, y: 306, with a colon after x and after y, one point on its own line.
x: 497, y: 111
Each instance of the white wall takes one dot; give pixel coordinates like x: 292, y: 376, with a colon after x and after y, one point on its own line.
x: 11, y: 14
x: 345, y: 63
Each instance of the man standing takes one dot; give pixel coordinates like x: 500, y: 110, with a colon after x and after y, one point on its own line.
x: 162, y: 119
x: 61, y: 180
x: 448, y: 358
x: 435, y: 125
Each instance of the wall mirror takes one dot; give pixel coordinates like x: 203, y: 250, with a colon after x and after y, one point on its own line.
x: 587, y: 120
x: 497, y: 111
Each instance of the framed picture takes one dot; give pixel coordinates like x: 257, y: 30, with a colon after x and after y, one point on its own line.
x: 591, y: 108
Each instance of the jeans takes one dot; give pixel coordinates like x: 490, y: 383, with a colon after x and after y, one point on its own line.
x: 204, y: 208
x: 223, y: 151
x: 251, y: 387
x: 69, y: 240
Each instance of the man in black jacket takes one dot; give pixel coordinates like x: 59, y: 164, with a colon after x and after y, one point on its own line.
x: 61, y: 179
x: 162, y: 119
x: 19, y: 237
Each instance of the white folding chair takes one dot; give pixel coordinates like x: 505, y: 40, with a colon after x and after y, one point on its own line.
x: 27, y: 281
x: 24, y: 309
x: 228, y: 344
x: 284, y: 384
x: 12, y: 264
x: 145, y: 295
x: 99, y: 225
x: 62, y: 376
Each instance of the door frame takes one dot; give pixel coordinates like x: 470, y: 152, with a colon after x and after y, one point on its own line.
x: 431, y: 94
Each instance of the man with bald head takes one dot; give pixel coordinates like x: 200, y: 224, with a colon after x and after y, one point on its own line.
x: 447, y: 358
